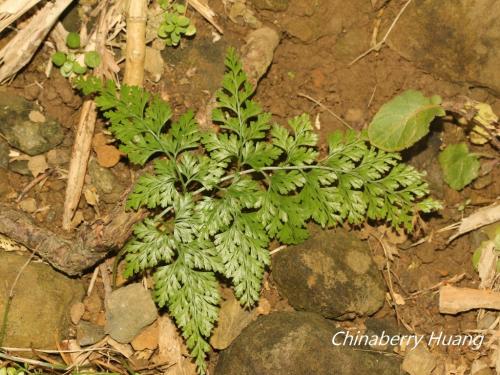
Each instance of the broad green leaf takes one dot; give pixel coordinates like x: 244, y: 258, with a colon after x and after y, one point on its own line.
x: 404, y: 120
x: 460, y: 167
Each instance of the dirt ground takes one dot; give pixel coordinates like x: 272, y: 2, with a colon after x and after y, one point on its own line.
x: 318, y: 68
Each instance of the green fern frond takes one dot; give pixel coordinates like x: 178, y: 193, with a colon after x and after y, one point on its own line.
x: 219, y: 198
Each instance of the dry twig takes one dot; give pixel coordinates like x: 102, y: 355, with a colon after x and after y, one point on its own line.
x: 326, y: 109
x: 379, y: 45
x: 33, y: 183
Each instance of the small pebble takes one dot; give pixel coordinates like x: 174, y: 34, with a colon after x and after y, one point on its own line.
x: 28, y: 205
x: 76, y: 312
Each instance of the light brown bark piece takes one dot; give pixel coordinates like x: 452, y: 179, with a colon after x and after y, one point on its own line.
x: 79, y: 159
x: 453, y: 300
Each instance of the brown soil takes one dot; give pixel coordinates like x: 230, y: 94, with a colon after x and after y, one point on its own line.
x: 320, y: 69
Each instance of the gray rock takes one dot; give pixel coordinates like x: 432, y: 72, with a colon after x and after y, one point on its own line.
x: 38, y: 313
x: 4, y: 153
x: 273, y: 5
x: 32, y: 138
x: 419, y: 361
x: 5, y: 183
x: 381, y: 327
x: 88, y: 333
x: 107, y: 184
x: 298, y: 343
x: 128, y: 311
x: 21, y: 167
x: 452, y: 38
x: 332, y: 274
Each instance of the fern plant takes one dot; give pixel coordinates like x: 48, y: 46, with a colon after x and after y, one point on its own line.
x: 218, y: 198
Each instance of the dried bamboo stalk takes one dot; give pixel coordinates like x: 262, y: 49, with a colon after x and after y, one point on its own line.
x: 136, y: 42
x: 19, y: 51
x: 11, y: 10
x: 79, y: 159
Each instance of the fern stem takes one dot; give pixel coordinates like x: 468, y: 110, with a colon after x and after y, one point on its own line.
x: 250, y: 171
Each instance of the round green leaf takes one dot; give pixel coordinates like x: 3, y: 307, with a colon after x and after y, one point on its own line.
x: 404, y: 120
x: 169, y: 18
x: 164, y: 4
x: 79, y: 69
x: 179, y: 8
x: 165, y: 30
x: 175, y: 38
x: 73, y: 40
x: 183, y: 21
x: 190, y: 30
x: 174, y: 18
x: 460, y: 167
x: 92, y: 59
x: 58, y: 58
x: 67, y: 68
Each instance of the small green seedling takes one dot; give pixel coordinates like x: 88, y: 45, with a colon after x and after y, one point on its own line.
x: 11, y: 371
x: 175, y: 23
x: 68, y: 63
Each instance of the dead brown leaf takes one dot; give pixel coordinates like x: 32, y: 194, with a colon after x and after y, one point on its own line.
x: 171, y: 349
x: 232, y: 320
x: 91, y: 196
x: 37, y: 165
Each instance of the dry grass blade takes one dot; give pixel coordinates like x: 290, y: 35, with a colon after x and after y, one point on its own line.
x: 19, y: 51
x: 342, y: 121
x: 11, y: 10
x: 206, y: 12
x: 478, y: 219
x: 379, y: 45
